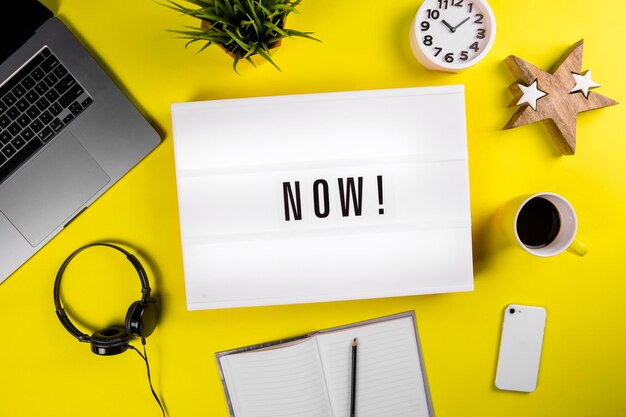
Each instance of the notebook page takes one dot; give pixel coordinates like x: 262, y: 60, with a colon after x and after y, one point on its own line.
x: 282, y: 382
x: 389, y: 375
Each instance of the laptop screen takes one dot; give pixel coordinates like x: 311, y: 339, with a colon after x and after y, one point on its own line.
x: 18, y: 21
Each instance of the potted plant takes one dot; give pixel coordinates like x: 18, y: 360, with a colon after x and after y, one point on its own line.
x: 243, y: 28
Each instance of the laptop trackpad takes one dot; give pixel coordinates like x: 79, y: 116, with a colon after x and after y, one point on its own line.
x: 51, y: 188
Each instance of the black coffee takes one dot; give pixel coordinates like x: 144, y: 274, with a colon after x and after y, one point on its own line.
x: 538, y: 223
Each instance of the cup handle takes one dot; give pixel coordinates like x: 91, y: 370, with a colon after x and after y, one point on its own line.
x: 577, y: 248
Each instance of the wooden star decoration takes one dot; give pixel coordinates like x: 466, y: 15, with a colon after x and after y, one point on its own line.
x: 559, y: 108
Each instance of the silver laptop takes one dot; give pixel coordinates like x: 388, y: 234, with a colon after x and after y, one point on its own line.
x: 67, y: 133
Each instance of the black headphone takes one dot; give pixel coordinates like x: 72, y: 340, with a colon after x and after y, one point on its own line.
x: 141, y: 318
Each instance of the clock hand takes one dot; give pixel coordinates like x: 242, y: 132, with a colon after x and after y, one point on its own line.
x: 446, y: 24
x: 457, y: 26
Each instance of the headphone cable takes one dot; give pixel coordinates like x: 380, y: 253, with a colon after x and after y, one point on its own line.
x: 144, y: 356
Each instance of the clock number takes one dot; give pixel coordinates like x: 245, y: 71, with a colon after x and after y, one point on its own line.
x: 470, y: 6
x: 457, y: 3
x: 449, y: 57
x: 428, y: 40
x: 480, y: 33
x: 479, y: 18
x: 474, y: 46
x: 464, y: 56
x: 438, y: 50
x: 425, y: 26
x: 443, y: 4
x: 432, y: 14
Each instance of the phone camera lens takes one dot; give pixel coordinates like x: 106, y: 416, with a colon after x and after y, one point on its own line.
x: 512, y: 310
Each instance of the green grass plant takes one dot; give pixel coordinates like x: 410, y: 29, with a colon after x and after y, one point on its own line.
x: 244, y: 28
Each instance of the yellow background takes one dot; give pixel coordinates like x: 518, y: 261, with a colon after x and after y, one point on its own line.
x: 43, y: 371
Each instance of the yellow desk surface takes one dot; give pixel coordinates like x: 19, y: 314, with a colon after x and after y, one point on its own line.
x: 44, y: 371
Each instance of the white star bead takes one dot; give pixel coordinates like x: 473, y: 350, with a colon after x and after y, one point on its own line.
x: 584, y: 83
x: 530, y: 94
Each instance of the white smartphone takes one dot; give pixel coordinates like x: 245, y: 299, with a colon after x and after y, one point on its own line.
x: 520, y: 348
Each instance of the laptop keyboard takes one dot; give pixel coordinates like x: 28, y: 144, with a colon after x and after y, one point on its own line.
x: 36, y: 103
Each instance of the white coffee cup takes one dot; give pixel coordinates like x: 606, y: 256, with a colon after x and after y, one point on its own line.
x: 543, y: 224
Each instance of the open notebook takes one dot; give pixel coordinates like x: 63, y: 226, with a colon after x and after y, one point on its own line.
x: 309, y: 376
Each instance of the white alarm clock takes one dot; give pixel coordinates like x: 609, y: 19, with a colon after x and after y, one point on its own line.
x: 451, y: 35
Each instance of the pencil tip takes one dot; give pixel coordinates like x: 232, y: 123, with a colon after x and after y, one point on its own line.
x: 354, y: 342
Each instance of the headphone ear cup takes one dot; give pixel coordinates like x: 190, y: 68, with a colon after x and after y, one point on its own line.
x: 109, y: 341
x: 142, y: 318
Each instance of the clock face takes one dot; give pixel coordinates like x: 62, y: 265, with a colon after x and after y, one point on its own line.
x: 452, y: 34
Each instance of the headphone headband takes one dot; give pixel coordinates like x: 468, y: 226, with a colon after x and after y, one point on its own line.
x: 65, y: 321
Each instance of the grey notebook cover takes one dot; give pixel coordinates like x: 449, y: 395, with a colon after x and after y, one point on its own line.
x: 296, y: 339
